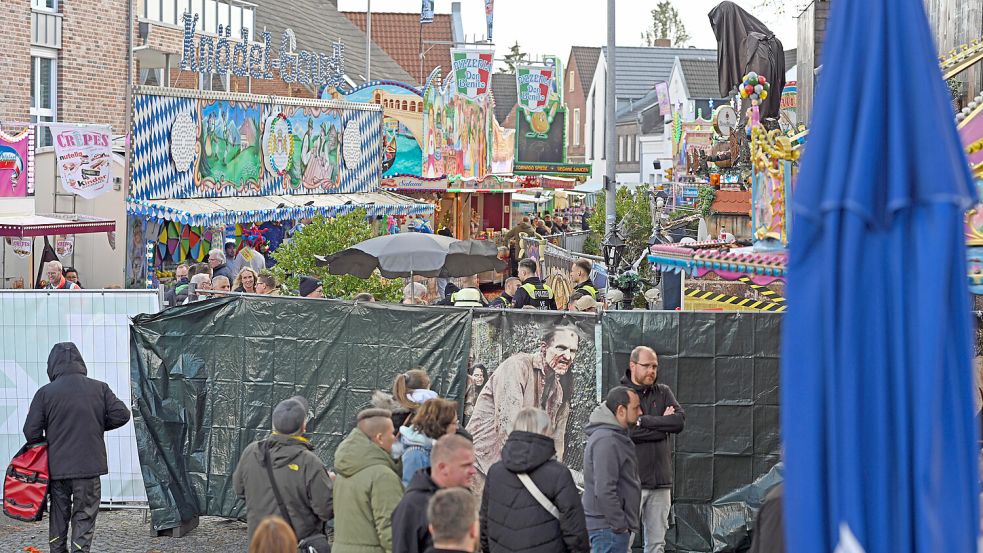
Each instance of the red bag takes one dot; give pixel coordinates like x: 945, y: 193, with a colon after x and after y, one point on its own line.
x: 25, y: 487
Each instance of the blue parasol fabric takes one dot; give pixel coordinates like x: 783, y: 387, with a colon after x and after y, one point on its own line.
x: 876, y: 396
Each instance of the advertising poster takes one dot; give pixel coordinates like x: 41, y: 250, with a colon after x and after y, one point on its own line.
x: 230, y: 161
x: 472, y: 70
x: 514, y: 352
x: 17, y: 164
x: 539, y: 96
x: 402, y: 109
x: 84, y: 157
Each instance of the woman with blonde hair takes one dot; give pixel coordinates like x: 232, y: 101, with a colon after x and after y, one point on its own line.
x: 246, y: 281
x: 412, y: 388
x: 530, y: 502
x: 273, y: 535
x: 435, y: 418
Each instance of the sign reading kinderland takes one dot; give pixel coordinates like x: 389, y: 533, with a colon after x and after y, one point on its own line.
x: 472, y: 71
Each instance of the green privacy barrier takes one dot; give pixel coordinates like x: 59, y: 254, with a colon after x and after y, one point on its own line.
x: 723, y: 370
x: 206, y: 378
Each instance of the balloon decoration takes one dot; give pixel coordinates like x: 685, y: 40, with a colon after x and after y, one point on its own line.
x: 754, y: 87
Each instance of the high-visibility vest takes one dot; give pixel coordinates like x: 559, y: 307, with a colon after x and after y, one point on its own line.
x: 589, y: 289
x: 539, y: 295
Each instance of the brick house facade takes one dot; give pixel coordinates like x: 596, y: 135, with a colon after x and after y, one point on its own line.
x: 580, y: 72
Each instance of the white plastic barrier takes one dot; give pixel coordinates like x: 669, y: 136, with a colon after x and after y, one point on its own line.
x: 97, y: 321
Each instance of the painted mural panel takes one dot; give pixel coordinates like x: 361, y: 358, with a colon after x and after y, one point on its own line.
x: 317, y: 148
x: 229, y: 139
x: 402, y: 140
x: 456, y: 129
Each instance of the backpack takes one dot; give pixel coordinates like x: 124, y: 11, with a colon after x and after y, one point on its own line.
x: 25, y: 487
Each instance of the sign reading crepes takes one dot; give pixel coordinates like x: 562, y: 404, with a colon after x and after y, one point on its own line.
x: 84, y: 156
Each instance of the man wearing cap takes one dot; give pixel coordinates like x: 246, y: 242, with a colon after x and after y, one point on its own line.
x: 310, y: 287
x: 468, y: 297
x: 301, y: 478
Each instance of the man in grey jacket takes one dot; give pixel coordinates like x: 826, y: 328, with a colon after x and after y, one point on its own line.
x: 612, y: 489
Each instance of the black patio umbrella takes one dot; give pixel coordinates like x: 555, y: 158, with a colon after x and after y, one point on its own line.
x: 414, y: 253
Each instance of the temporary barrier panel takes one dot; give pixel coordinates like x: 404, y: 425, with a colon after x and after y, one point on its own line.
x: 207, y: 376
x: 97, y: 321
x: 723, y: 370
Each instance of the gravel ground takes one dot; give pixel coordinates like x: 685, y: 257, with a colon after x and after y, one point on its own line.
x: 127, y: 531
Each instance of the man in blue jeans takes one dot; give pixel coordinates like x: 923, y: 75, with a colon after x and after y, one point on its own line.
x: 612, y: 489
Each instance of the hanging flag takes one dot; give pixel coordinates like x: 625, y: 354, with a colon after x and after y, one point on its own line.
x: 472, y: 71
x: 665, y: 102
x: 84, y: 158
x: 489, y: 16
x: 426, y: 12
x: 17, y: 164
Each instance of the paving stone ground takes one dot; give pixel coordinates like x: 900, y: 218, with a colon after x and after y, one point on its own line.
x: 128, y: 531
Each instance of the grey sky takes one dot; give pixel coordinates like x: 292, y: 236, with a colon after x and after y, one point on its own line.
x: 553, y: 26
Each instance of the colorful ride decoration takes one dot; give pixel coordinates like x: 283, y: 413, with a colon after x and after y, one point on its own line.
x: 774, y: 158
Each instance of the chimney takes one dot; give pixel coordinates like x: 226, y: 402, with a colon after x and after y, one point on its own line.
x: 663, y: 43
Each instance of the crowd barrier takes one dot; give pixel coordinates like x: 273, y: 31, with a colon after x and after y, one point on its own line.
x: 97, y: 321
x: 206, y: 377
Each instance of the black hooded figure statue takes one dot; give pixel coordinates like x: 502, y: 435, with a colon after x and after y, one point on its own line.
x: 745, y: 44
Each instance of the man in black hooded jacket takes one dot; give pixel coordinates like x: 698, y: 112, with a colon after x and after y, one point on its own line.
x: 661, y: 416
x: 451, y: 466
x: 71, y: 413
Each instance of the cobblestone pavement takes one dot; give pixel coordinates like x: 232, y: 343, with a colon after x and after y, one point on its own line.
x: 125, y: 531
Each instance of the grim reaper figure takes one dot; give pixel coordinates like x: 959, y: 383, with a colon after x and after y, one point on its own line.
x: 745, y: 44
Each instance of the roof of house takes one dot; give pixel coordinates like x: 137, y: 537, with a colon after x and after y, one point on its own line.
x: 505, y: 94
x: 398, y: 35
x: 732, y: 202
x: 639, y: 68
x: 791, y: 58
x: 700, y: 75
x: 637, y: 106
x: 317, y: 25
x: 586, y: 58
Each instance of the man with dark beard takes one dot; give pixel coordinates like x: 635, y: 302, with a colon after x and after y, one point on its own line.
x: 540, y: 379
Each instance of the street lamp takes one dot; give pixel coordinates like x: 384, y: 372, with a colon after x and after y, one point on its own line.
x: 614, y: 248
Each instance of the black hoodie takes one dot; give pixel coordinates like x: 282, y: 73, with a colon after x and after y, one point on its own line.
x: 511, y: 518
x: 409, y: 521
x: 651, y: 436
x: 71, y: 413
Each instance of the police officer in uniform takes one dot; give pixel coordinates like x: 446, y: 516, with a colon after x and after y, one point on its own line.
x: 533, y: 291
x: 580, y: 274
x: 507, y: 298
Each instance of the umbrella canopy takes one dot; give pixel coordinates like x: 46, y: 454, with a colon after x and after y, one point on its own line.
x: 414, y: 253
x: 876, y: 396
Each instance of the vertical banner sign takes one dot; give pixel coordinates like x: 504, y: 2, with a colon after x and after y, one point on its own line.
x: 539, y: 98
x: 665, y: 103
x: 472, y: 71
x: 426, y: 12
x: 84, y: 158
x: 490, y: 17
x: 17, y: 164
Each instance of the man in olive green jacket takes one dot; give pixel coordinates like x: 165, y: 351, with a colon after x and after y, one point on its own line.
x: 300, y: 475
x: 368, y: 486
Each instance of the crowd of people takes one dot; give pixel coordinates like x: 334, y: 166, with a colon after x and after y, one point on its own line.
x: 410, y: 479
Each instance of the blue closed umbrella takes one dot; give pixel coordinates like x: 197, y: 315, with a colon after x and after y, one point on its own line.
x: 876, y: 398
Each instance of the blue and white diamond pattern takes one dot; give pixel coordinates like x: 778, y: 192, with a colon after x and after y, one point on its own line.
x: 154, y: 175
x: 365, y: 175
